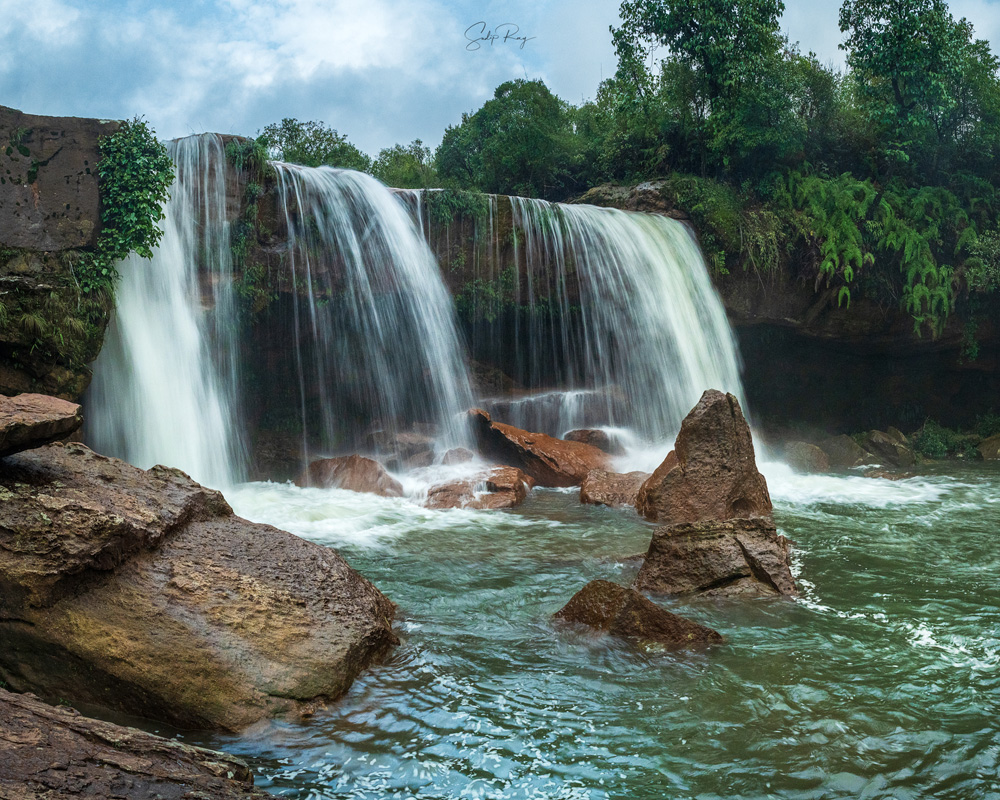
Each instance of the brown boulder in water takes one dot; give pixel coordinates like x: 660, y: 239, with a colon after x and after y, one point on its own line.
x: 596, y: 438
x: 354, y: 473
x: 32, y: 420
x: 805, y: 457
x: 888, y: 449
x: 602, y: 488
x: 140, y: 591
x: 712, y: 472
x: 845, y: 453
x: 624, y: 612
x: 550, y: 461
x: 55, y: 752
x: 501, y: 487
x: 737, y: 557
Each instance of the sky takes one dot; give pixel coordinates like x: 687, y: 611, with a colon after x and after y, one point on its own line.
x: 380, y: 71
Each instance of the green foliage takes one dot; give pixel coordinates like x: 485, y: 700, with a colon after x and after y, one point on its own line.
x: 486, y: 299
x: 446, y: 205
x: 935, y: 441
x: 253, y: 280
x: 406, y: 167
x: 312, y: 144
x: 987, y: 425
x: 248, y: 155
x: 135, y: 173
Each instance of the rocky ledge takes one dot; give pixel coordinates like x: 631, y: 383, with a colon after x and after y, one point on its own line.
x: 141, y: 591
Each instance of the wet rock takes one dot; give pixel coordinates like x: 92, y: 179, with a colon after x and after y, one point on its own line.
x: 550, y: 461
x: 737, y: 557
x: 887, y: 450
x: 712, y: 472
x: 886, y: 475
x: 804, y: 457
x: 51, y: 753
x: 140, y: 591
x: 32, y: 420
x: 500, y: 487
x: 845, y: 453
x: 897, y: 436
x: 596, y: 438
x: 624, y: 612
x: 405, y: 449
x: 457, y: 455
x: 603, y: 488
x: 354, y: 473
x: 989, y: 448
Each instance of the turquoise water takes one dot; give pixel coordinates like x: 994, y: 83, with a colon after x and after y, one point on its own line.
x: 880, y: 682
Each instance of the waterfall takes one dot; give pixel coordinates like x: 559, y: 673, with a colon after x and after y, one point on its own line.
x: 615, y: 309
x: 164, y: 388
x: 374, y: 326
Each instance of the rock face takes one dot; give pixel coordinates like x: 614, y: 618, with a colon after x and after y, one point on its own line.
x: 550, y: 461
x: 602, y: 488
x: 406, y: 449
x: 737, y: 557
x: 354, y: 473
x: 989, y: 448
x: 31, y: 420
x: 624, y: 612
x: 596, y: 438
x: 140, y: 591
x: 51, y: 753
x: 457, y: 455
x: 888, y: 449
x: 500, y: 487
x: 712, y: 472
x: 845, y: 453
x: 805, y: 457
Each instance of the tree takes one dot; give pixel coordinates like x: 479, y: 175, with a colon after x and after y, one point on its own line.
x: 405, y: 167
x: 312, y: 144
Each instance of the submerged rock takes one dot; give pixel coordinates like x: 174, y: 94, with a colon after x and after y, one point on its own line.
x: 888, y: 449
x: 712, y: 472
x: 596, y: 438
x: 624, y: 612
x: 354, y: 473
x: 500, y: 487
x: 550, y: 461
x: 737, y: 557
x: 805, y: 457
x: 603, y: 488
x: 51, y: 753
x: 141, y: 591
x: 33, y: 420
x: 845, y: 453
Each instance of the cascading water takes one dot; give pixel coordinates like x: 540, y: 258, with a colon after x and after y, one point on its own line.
x: 616, y: 309
x: 374, y: 330
x: 164, y: 389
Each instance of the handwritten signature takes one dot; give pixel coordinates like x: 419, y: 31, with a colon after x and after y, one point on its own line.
x: 478, y: 33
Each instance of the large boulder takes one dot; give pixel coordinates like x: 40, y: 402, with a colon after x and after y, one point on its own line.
x: 50, y: 753
x: 550, y: 461
x: 500, y: 487
x: 805, y: 457
x: 31, y: 420
x: 624, y: 612
x: 989, y: 448
x: 712, y: 472
x: 141, y: 591
x: 888, y: 449
x: 844, y: 453
x: 354, y: 473
x: 402, y: 449
x: 603, y: 488
x: 737, y: 557
x: 596, y: 438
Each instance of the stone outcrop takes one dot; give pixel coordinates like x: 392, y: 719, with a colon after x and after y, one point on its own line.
x: 354, y: 473
x: 457, y: 455
x: 596, y: 438
x: 844, y: 453
x: 500, y: 487
x: 550, y: 461
x: 989, y: 448
x: 603, y: 488
x: 888, y: 449
x: 49, y: 753
x: 712, y: 472
x: 624, y: 612
x: 32, y: 420
x: 140, y: 591
x: 733, y: 558
x: 805, y: 457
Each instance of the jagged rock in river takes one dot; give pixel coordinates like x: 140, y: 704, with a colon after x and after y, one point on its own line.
x: 712, y: 472
x: 597, y: 438
x: 805, y: 457
x: 624, y: 612
x: 141, y: 591
x: 500, y: 487
x: 989, y: 448
x: 51, y: 753
x: 31, y: 420
x: 550, y: 461
x: 602, y: 488
x: 888, y: 449
x: 845, y: 453
x: 354, y: 473
x: 736, y: 557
